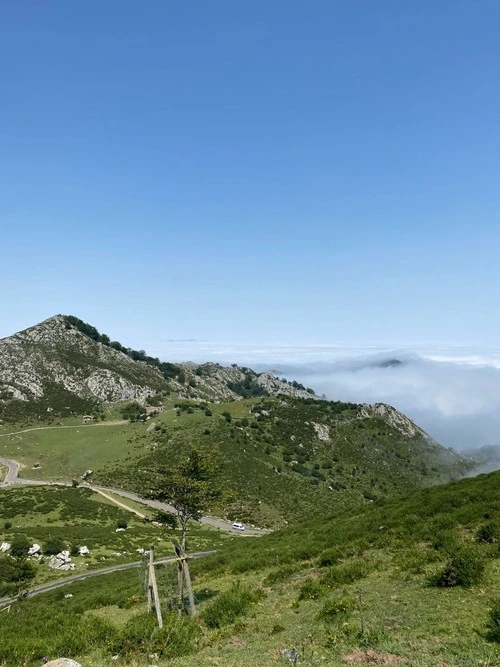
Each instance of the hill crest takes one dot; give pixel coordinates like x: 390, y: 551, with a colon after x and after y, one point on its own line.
x: 65, y: 365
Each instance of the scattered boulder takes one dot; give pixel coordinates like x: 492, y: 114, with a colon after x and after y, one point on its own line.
x: 35, y: 550
x: 83, y: 551
x: 4, y: 547
x: 322, y: 431
x: 63, y: 662
x: 62, y: 561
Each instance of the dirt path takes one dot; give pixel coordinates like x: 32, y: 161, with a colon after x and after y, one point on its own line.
x: 12, y: 478
x: 117, y: 502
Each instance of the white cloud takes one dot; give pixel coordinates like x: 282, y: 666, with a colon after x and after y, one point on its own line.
x: 452, y: 392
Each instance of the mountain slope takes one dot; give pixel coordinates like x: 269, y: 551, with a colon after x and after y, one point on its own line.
x: 357, y: 587
x: 65, y: 366
x: 288, y: 459
x: 54, y: 367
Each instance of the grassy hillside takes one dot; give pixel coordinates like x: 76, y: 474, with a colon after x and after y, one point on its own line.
x: 80, y: 517
x: 286, y: 459
x: 290, y: 459
x: 359, y: 588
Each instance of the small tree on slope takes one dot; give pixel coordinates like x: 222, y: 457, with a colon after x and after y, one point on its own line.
x: 193, y: 486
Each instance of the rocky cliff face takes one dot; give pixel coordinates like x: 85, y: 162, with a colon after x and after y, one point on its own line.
x: 57, y: 366
x: 50, y: 353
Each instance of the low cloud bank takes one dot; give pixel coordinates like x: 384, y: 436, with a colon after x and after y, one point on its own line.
x: 457, y: 402
x: 451, y: 392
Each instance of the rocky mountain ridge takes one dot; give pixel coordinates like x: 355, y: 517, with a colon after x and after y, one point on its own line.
x: 64, y: 366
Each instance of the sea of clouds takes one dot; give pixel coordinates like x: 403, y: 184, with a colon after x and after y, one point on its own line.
x: 451, y: 392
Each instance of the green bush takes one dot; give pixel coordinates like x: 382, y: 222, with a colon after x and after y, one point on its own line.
x: 166, y: 518
x: 141, y: 636
x: 311, y: 589
x: 280, y: 574
x: 465, y: 567
x: 347, y: 573
x: 19, y: 546
x: 493, y: 633
x: 231, y: 604
x: 488, y: 533
x: 330, y: 557
x: 54, y: 545
x: 336, y: 608
x: 15, y: 572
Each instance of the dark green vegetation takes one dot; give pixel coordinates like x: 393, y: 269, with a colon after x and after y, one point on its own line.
x: 289, y: 459
x: 68, y: 518
x: 361, y: 583
x: 168, y: 370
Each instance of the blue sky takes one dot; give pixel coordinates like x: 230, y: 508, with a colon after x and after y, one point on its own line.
x: 268, y: 172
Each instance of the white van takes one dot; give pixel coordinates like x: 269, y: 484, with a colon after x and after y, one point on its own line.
x: 238, y: 526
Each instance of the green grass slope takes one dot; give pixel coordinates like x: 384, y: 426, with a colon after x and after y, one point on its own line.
x: 78, y: 517
x: 286, y: 459
x: 289, y: 459
x: 355, y: 588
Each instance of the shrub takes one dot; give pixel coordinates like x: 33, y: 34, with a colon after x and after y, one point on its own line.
x: 336, y: 608
x: 230, y: 605
x: 167, y: 519
x: 208, y: 412
x: 7, y: 525
x: 54, y: 546
x: 488, y: 533
x: 311, y: 589
x: 330, y: 557
x: 280, y: 574
x: 465, y: 567
x: 19, y: 546
x: 493, y: 633
x: 346, y: 573
x: 277, y: 628
x: 121, y: 523
x: 227, y: 416
x: 141, y: 636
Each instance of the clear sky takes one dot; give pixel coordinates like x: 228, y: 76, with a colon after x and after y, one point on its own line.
x: 272, y: 172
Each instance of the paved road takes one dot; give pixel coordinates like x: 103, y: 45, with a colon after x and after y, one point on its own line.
x: 95, y: 573
x: 12, y: 471
x: 13, y: 478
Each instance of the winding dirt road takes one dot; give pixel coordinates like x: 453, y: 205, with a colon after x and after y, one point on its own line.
x: 12, y: 478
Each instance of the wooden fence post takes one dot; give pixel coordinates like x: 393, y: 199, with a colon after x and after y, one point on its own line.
x: 153, y: 588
